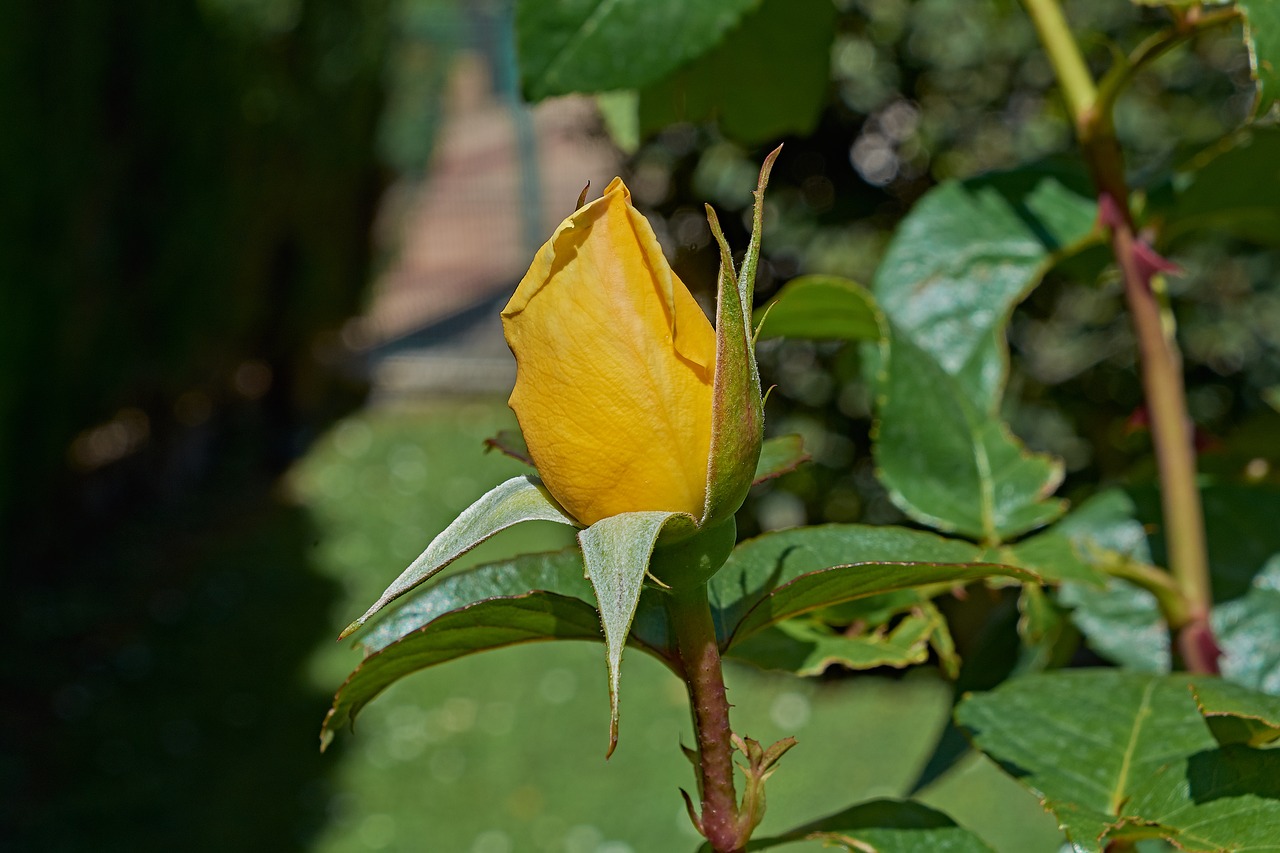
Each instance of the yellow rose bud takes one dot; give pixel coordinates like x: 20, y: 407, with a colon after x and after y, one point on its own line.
x: 615, y: 368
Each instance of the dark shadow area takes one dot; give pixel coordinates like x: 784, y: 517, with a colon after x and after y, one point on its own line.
x: 1234, y: 771
x: 189, y: 187
x: 160, y: 699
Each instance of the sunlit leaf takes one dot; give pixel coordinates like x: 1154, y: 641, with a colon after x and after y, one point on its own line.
x: 948, y: 463
x: 1123, y: 756
x: 779, y: 575
x: 959, y: 262
x: 965, y: 255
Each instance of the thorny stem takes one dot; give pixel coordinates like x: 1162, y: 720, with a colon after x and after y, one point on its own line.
x: 1161, y: 361
x: 700, y: 661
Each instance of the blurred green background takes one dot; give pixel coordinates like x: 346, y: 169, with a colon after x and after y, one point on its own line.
x: 196, y: 494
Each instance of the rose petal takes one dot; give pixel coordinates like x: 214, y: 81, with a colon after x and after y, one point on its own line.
x: 615, y: 362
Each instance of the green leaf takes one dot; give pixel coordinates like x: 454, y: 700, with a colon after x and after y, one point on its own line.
x: 1232, y: 188
x: 821, y: 307
x: 518, y: 499
x: 1237, y: 714
x: 966, y: 254
x: 1123, y: 756
x: 951, y: 465
x: 473, y: 611
x: 1262, y: 37
x: 779, y: 575
x: 616, y: 551
x: 884, y: 826
x: 759, y: 565
x: 600, y: 45
x: 1122, y: 622
x: 805, y: 648
x: 1048, y: 638
x: 766, y: 79
x: 1248, y: 632
x: 778, y: 456
x: 1052, y: 555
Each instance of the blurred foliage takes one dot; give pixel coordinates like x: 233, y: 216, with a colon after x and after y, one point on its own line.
x: 187, y: 206
x: 925, y: 91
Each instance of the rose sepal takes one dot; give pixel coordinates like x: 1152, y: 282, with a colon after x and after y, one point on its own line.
x: 737, y: 416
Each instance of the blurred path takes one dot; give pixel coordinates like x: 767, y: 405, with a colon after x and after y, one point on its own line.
x: 433, y: 323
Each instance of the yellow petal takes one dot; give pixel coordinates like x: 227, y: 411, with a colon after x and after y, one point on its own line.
x: 615, y: 363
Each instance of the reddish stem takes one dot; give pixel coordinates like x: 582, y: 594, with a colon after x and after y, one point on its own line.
x: 700, y: 660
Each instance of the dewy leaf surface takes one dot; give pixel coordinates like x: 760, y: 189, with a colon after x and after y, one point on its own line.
x: 518, y: 499
x: 616, y: 551
x: 959, y: 262
x: 1120, y: 755
x: 882, y: 826
x: 601, y: 45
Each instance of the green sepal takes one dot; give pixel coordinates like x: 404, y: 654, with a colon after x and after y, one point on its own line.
x: 518, y: 499
x: 616, y: 551
x: 737, y: 415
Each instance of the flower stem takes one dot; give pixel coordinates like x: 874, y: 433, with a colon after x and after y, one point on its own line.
x: 690, y: 613
x: 1161, y: 362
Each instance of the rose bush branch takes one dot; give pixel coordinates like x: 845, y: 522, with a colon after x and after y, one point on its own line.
x: 1160, y: 359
